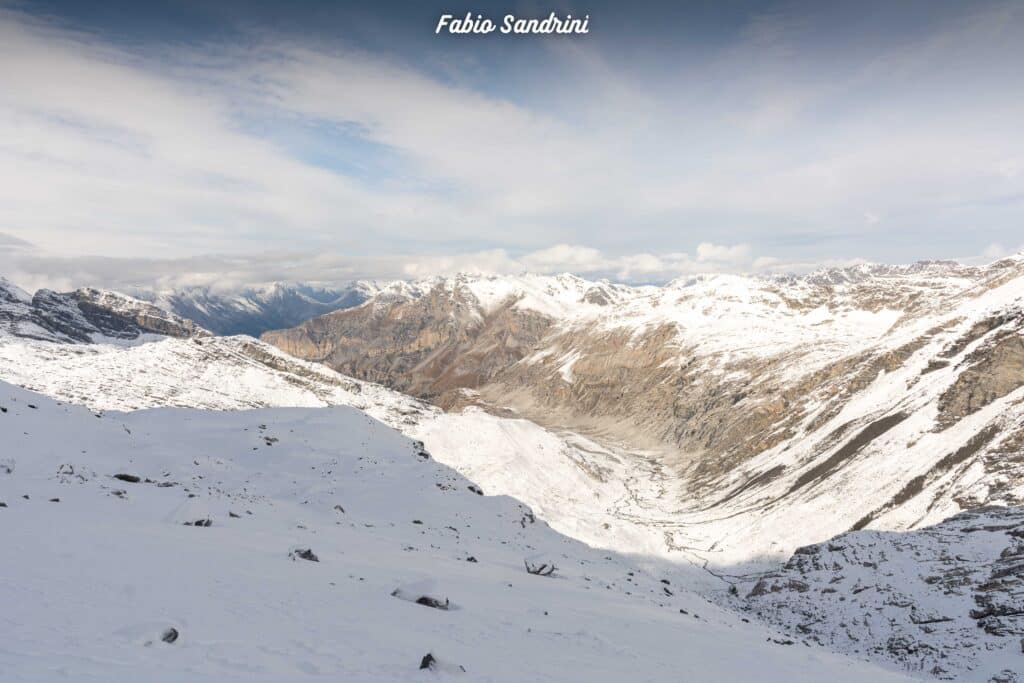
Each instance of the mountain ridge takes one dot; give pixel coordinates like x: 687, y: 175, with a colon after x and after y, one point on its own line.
x: 86, y: 315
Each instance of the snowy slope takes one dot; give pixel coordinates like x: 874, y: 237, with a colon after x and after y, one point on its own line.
x: 220, y: 373
x: 570, y: 481
x: 102, y: 569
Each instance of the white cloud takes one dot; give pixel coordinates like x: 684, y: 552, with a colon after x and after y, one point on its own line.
x: 12, y: 243
x: 993, y: 252
x: 107, y: 152
x: 566, y: 257
x: 491, y: 262
x: 1011, y: 168
x: 718, y: 254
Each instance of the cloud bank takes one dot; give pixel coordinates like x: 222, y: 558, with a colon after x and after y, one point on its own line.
x: 228, y: 273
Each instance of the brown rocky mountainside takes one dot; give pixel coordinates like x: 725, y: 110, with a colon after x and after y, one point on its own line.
x: 425, y: 346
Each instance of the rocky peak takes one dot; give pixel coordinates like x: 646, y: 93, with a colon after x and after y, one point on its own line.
x: 11, y: 293
x: 85, y: 315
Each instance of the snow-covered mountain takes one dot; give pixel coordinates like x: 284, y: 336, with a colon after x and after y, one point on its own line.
x: 255, y: 310
x: 767, y: 409
x: 85, y: 315
x: 442, y: 334
x: 295, y: 544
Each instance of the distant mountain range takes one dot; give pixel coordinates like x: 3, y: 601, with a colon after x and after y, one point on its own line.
x: 255, y: 310
x: 68, y: 316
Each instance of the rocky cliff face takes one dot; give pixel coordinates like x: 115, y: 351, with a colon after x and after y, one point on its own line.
x: 942, y: 601
x: 85, y: 315
x: 875, y: 396
x: 424, y: 341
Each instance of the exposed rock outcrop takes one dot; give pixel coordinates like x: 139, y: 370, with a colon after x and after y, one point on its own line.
x: 990, y: 372
x: 940, y: 600
x: 86, y: 315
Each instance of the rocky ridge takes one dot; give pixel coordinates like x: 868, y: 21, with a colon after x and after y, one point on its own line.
x: 85, y: 316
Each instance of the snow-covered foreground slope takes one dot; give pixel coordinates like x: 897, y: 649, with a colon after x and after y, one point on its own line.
x: 107, y: 576
x: 218, y: 373
x: 594, y: 493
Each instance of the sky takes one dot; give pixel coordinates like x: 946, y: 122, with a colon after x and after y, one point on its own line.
x: 170, y: 144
